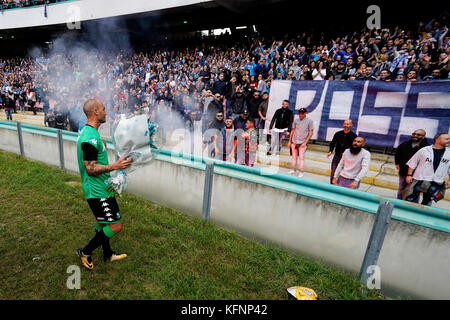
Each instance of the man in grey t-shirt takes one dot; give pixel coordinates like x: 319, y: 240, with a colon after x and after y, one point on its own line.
x: 302, y: 131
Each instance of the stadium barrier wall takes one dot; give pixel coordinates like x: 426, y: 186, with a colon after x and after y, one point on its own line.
x: 326, y: 222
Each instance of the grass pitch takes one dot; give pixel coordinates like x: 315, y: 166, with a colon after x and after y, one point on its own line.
x: 44, y: 218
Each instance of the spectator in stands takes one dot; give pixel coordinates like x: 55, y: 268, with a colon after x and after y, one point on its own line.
x: 302, y: 131
x: 428, y: 169
x: 385, y: 75
x: 353, y: 166
x: 253, y: 106
x: 238, y: 103
x: 319, y: 72
x: 403, y: 153
x: 411, y: 75
x: 241, y: 120
x: 262, y: 110
x: 247, y: 154
x: 214, y: 107
x: 296, y: 69
x: 282, y: 125
x: 339, y: 73
x: 225, y: 142
x: 218, y: 123
x: 8, y: 105
x: 341, y: 141
x: 60, y: 117
x: 367, y: 74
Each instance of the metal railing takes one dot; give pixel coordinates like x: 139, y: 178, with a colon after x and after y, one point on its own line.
x: 430, y: 217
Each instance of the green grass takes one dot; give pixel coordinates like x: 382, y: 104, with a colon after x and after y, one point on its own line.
x: 43, y: 214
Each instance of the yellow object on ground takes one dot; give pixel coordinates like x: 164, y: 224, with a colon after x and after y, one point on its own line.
x: 303, y: 293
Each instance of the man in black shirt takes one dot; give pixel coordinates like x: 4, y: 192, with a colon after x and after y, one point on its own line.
x: 341, y: 140
x: 404, y: 152
x: 60, y: 118
x: 282, y: 120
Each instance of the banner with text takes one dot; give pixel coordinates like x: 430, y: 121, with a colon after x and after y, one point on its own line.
x: 385, y: 113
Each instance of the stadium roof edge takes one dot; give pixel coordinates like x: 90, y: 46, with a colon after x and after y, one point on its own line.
x: 72, y: 11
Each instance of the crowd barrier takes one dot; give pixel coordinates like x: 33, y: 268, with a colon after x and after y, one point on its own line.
x: 326, y: 222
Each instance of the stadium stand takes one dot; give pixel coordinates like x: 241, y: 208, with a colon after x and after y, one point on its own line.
x: 182, y: 77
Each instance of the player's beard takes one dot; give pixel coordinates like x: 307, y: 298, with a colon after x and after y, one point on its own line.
x: 355, y: 150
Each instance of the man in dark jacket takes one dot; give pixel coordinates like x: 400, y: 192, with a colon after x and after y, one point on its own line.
x: 282, y: 121
x: 240, y: 122
x: 214, y: 106
x: 341, y: 140
x: 238, y: 103
x: 253, y: 105
x: 220, y: 86
x: 404, y: 152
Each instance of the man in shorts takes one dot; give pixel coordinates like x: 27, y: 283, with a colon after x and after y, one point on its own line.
x: 302, y: 131
x: 95, y: 170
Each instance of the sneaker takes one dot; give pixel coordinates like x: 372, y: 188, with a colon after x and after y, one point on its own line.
x: 115, y: 257
x: 300, y: 174
x: 85, y: 259
x: 268, y: 153
x: 291, y: 172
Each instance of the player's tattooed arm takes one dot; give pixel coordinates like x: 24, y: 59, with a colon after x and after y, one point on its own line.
x: 94, y: 169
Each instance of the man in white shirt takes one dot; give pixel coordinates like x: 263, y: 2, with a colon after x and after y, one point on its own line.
x: 353, y: 166
x: 431, y: 165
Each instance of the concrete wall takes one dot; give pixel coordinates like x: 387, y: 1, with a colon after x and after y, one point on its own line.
x: 82, y: 10
x: 414, y: 259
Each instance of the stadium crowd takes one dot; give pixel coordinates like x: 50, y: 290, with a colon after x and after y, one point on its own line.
x: 224, y: 84
x: 224, y: 74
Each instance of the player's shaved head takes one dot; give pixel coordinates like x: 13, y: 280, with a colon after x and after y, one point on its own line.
x: 90, y: 105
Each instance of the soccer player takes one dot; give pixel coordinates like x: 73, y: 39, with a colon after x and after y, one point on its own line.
x: 94, y: 170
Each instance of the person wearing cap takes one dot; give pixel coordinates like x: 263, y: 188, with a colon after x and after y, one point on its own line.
x: 239, y: 122
x: 302, y: 131
x: 340, y: 72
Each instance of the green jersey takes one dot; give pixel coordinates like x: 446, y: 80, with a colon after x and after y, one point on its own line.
x: 93, y: 186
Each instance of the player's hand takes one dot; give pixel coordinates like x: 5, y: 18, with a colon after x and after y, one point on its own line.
x: 328, y: 155
x: 408, y: 179
x: 354, y: 184
x: 397, y: 166
x: 123, y: 163
x: 303, y: 145
x: 447, y: 186
x: 289, y: 144
x: 334, y: 181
